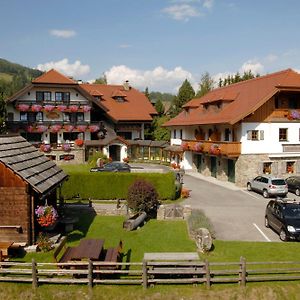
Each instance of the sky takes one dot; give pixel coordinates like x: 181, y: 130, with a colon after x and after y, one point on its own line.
x: 152, y: 43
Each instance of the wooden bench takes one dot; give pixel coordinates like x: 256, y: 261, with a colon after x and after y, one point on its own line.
x: 113, y: 254
x: 66, y: 255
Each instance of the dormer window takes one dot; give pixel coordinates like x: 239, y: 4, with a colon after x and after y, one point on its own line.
x: 205, y: 106
x: 119, y: 99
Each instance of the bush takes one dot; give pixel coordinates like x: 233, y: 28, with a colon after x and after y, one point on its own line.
x: 93, y: 159
x: 44, y: 243
x: 142, y: 196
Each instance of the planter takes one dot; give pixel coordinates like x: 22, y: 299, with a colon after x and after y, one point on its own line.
x: 133, y: 222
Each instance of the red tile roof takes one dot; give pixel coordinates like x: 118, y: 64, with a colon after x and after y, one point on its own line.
x: 135, y: 107
x: 53, y: 76
x: 241, y: 99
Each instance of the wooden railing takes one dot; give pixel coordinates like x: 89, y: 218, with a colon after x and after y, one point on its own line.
x: 230, y: 149
x: 149, y: 273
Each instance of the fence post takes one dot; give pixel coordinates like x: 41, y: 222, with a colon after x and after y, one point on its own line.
x: 90, y: 275
x: 242, y: 271
x: 207, y: 273
x: 145, y: 276
x: 34, y: 274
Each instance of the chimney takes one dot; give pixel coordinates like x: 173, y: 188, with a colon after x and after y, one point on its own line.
x: 126, y: 85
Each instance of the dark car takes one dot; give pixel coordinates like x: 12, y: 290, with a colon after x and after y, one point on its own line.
x: 293, y: 183
x: 284, y: 217
x: 114, y: 166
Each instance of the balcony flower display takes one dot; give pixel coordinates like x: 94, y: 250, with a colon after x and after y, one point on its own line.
x: 45, y: 148
x: 30, y: 128
x: 61, y: 108
x: 198, y: 147
x: 36, y: 107
x: 185, y: 146
x: 46, y: 215
x: 293, y: 115
x: 41, y: 128
x: 86, y: 108
x: 69, y: 128
x: 79, y: 142
x: 73, y: 108
x: 81, y: 128
x: 22, y: 107
x: 55, y: 128
x: 49, y: 107
x: 66, y: 147
x: 94, y: 128
x: 215, y: 149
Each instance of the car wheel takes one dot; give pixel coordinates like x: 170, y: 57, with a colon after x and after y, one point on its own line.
x: 249, y: 188
x: 282, y: 235
x: 267, y: 222
x: 265, y: 194
x: 297, y: 192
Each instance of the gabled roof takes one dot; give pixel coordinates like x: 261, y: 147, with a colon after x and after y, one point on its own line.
x: 30, y: 164
x: 242, y: 99
x: 52, y: 76
x: 136, y: 106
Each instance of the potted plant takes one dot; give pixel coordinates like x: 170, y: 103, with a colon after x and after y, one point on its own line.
x: 61, y: 108
x: 81, y: 128
x: 185, y: 146
x: 79, y: 142
x: 86, y: 108
x: 36, y: 107
x: 94, y: 128
x: 45, y: 147
x: 215, y: 149
x: 73, y: 108
x: 49, y: 107
x: 46, y: 215
x: 22, y: 107
x: 198, y: 147
x: 66, y: 147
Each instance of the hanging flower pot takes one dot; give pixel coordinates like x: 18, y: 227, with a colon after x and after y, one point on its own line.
x: 45, y: 148
x: 81, y: 128
x: 69, y: 128
x: 185, y: 146
x: 41, y: 128
x: 55, y: 128
x: 79, y: 142
x: 86, y: 108
x: 66, y: 147
x: 22, y: 107
x: 49, y: 107
x: 36, y: 107
x: 94, y: 128
x: 215, y: 149
x: 73, y: 108
x: 30, y: 128
x: 198, y: 147
x: 46, y: 215
x: 61, y: 108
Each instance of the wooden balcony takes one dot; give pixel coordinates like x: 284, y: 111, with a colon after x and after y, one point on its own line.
x: 229, y: 149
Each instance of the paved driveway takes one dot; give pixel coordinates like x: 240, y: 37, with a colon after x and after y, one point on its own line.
x: 236, y: 214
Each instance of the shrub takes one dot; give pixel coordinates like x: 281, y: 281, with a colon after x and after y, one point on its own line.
x: 142, y: 196
x: 94, y: 158
x: 44, y: 243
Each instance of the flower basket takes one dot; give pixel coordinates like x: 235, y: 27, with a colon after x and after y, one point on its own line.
x: 69, y: 128
x: 81, y: 128
x: 185, y: 146
x: 198, y: 147
x: 293, y: 115
x: 66, y: 147
x: 61, y: 108
x: 94, y: 128
x: 49, y: 108
x: 36, y: 107
x: 46, y: 215
x: 41, y: 128
x: 30, y: 128
x: 86, y: 108
x: 22, y: 107
x: 215, y: 149
x: 73, y: 108
x: 79, y: 142
x: 45, y: 148
x: 55, y: 128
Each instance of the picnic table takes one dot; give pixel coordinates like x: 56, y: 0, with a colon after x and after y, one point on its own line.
x: 87, y: 249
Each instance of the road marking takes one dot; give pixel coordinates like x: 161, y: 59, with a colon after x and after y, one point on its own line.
x: 261, y: 232
x: 251, y: 194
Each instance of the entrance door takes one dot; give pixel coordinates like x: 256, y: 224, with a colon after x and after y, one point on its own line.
x: 213, y: 166
x: 53, y: 138
x: 199, y: 162
x: 231, y: 170
x: 115, y: 152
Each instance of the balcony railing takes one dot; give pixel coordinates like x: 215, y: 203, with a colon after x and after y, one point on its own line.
x: 229, y: 149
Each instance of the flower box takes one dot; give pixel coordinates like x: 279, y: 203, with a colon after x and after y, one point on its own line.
x: 46, y: 215
x: 55, y: 128
x: 81, y: 128
x: 86, y: 108
x: 215, y: 149
x: 45, y: 148
x: 49, y: 108
x: 185, y: 146
x: 293, y: 115
x: 94, y: 128
x: 41, y: 128
x: 69, y: 128
x: 22, y: 107
x: 73, y: 108
x: 198, y: 147
x: 61, y: 108
x: 36, y: 107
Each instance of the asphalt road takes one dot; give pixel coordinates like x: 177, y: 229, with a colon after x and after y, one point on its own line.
x: 235, y: 214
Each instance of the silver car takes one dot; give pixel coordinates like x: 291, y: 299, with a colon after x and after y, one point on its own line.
x: 268, y: 186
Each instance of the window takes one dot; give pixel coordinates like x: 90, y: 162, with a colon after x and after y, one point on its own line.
x: 39, y: 116
x: 43, y: 96
x: 267, y: 167
x: 174, y: 134
x: 10, y: 116
x: 283, y: 134
x: 80, y: 117
x: 66, y: 117
x: 227, y: 134
x: 255, y: 135
x: 47, y: 96
x: 23, y: 116
x: 62, y: 96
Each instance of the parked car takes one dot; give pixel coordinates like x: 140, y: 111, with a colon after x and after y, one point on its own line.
x: 114, y: 166
x: 293, y: 183
x: 284, y: 217
x: 268, y: 186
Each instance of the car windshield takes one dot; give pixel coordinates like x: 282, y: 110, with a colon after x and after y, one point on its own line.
x: 292, y: 212
x: 278, y: 182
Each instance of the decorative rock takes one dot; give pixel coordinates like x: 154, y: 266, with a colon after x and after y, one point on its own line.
x: 203, y: 239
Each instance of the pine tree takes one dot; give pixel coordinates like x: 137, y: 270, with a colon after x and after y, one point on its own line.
x: 206, y: 85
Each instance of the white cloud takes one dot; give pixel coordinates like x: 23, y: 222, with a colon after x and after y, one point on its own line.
x: 65, y: 34
x: 255, y: 66
x: 208, y: 4
x: 158, y: 79
x: 182, y: 12
x: 76, y: 69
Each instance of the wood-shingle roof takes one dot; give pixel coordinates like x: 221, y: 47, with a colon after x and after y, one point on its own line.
x: 30, y: 164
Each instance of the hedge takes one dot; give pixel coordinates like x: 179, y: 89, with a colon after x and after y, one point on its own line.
x: 115, y: 185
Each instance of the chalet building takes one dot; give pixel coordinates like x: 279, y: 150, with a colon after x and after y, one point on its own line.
x: 236, y: 132
x: 27, y: 179
x: 61, y: 115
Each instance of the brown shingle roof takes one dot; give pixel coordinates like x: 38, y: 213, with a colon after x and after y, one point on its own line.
x: 242, y: 99
x: 53, y: 76
x: 136, y: 107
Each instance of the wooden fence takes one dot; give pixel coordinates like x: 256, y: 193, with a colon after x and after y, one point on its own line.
x: 148, y: 273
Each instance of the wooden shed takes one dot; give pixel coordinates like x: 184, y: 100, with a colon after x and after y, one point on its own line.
x: 27, y: 179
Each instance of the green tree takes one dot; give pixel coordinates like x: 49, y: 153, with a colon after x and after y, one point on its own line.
x: 160, y: 133
x: 159, y: 106
x: 147, y: 93
x: 206, y: 85
x: 101, y: 80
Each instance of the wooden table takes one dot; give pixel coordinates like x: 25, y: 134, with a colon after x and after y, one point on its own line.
x: 88, y: 249
x: 4, y: 246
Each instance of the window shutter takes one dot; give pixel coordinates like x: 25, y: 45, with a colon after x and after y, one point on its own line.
x: 249, y: 135
x: 261, y: 135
